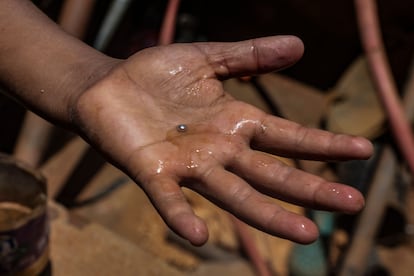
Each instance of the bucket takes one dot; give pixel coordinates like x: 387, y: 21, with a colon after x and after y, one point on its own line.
x: 24, y: 228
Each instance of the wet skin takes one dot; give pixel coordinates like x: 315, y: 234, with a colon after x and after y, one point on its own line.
x: 222, y: 152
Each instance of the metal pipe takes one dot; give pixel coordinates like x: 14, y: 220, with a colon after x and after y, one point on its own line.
x: 110, y: 23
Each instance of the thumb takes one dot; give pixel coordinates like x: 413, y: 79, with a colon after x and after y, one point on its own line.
x: 251, y: 57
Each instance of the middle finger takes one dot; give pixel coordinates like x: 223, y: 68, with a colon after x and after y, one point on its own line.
x: 273, y: 177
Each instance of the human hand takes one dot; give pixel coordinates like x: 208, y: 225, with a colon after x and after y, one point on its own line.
x: 132, y: 115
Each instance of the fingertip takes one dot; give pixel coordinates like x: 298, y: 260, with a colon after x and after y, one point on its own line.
x: 356, y: 202
x: 288, y: 50
x: 176, y: 212
x: 199, y: 233
x: 296, y: 228
x: 339, y: 198
x: 306, y: 232
x: 191, y: 228
x: 296, y: 43
x: 364, y: 147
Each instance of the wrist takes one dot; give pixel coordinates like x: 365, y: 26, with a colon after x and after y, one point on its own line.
x: 48, y: 76
x: 80, y: 78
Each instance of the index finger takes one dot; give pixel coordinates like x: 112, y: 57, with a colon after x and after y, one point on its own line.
x: 289, y: 139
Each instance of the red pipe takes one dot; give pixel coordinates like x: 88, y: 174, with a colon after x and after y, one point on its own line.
x: 250, y: 248
x: 168, y: 26
x: 380, y: 69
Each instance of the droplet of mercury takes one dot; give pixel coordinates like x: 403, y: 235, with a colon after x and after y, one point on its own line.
x: 181, y: 128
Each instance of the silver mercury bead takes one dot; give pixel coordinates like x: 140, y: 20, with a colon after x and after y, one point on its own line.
x: 182, y: 128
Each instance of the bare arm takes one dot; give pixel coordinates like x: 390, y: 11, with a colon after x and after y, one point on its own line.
x: 42, y: 66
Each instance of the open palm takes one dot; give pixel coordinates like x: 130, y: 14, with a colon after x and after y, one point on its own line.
x: 134, y: 116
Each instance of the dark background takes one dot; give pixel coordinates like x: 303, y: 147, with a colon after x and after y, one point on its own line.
x: 328, y: 29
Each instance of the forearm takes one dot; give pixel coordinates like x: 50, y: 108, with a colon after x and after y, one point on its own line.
x: 41, y: 65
